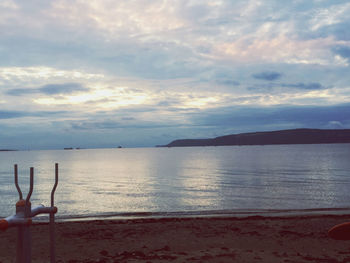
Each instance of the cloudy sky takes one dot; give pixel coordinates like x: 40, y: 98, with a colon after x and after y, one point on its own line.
x: 139, y: 73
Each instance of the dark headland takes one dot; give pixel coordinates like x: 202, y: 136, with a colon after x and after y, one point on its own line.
x: 295, y: 136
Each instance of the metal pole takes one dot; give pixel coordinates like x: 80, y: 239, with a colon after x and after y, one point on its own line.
x: 16, y: 183
x: 27, y: 236
x: 19, y: 251
x: 28, y: 208
x: 19, y: 209
x: 23, y: 208
x: 19, y: 256
x: 54, y: 187
x: 52, y: 219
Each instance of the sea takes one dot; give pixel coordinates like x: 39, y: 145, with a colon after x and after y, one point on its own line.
x: 182, y: 181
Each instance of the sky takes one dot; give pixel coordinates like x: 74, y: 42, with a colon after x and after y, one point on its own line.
x: 139, y: 73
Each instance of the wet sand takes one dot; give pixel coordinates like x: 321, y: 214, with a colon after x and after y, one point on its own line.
x: 253, y: 239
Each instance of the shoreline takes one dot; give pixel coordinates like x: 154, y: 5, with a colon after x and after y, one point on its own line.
x: 193, y: 239
x: 239, y: 213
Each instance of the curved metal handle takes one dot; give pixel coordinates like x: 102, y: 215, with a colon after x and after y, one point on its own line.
x: 27, y: 210
x: 31, y: 185
x: 54, y: 187
x: 16, y: 183
x: 52, y: 219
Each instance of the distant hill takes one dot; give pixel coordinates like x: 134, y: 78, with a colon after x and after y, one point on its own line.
x: 295, y: 136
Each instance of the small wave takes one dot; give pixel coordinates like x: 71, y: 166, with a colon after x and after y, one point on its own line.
x: 240, y: 213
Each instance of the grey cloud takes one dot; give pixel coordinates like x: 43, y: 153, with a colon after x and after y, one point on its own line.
x: 343, y: 51
x: 153, y: 59
x: 339, y: 31
x: 267, y: 75
x: 128, y: 118
x: 222, y: 75
x: 304, y: 86
x: 67, y: 88
x: 11, y: 114
x: 260, y: 88
x: 50, y: 113
x: 20, y: 92
x: 19, y: 114
x: 271, y: 86
x: 92, y: 125
x: 254, y: 118
x: 228, y: 82
x: 169, y: 102
x: 165, y: 103
x: 50, y: 89
x: 38, y: 51
x: 112, y: 125
x: 192, y: 12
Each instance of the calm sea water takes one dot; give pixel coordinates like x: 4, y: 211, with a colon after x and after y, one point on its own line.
x: 193, y: 180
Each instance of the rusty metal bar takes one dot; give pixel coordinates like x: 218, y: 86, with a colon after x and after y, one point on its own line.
x: 16, y: 183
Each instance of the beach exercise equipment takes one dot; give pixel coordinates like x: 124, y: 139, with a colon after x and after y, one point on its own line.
x: 23, y: 219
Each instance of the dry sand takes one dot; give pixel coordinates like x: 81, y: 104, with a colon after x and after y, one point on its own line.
x: 254, y: 239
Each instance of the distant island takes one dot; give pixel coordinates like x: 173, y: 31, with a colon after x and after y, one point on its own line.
x: 295, y: 136
x: 71, y: 148
x: 7, y: 150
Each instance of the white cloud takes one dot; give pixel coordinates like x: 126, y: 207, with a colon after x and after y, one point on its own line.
x: 280, y: 49
x: 331, y: 15
x: 42, y: 73
x: 8, y: 4
x: 113, y: 18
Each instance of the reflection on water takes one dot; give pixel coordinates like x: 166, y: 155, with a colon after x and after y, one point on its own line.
x: 107, y: 181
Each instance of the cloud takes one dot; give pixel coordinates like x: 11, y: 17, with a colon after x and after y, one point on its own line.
x: 19, y: 114
x: 93, y: 125
x: 304, y: 86
x: 268, y: 75
x: 114, y: 124
x: 11, y: 114
x: 67, y: 88
x: 227, y: 82
x: 343, y: 51
x: 273, y: 117
x: 274, y: 86
x: 168, y: 102
x: 50, y: 89
x: 269, y: 87
x: 329, y: 15
x: 281, y: 49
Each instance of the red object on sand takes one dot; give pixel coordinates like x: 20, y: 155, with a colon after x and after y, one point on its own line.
x: 340, y: 232
x: 3, y: 224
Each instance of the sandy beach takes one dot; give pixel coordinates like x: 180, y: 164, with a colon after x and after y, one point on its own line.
x: 252, y: 239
